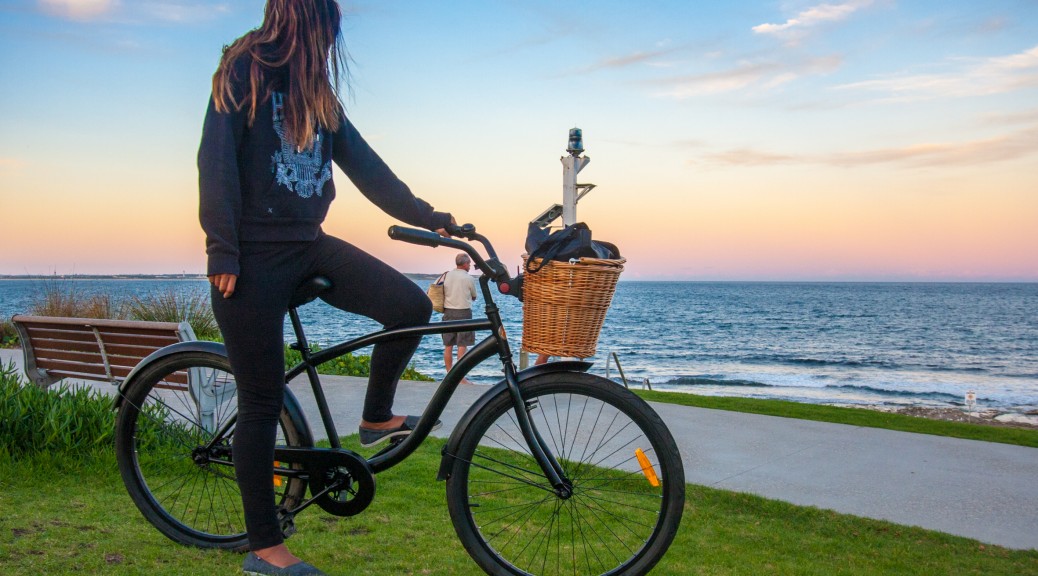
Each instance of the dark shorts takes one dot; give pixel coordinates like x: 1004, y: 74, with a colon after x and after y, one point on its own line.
x: 458, y: 338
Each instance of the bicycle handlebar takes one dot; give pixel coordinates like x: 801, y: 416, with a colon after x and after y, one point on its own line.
x: 423, y: 237
x: 490, y: 266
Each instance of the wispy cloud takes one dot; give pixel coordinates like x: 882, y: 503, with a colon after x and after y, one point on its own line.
x: 811, y: 17
x: 78, y: 9
x: 748, y: 157
x: 631, y: 59
x: 136, y: 11
x: 646, y: 58
x: 975, y: 77
x: 1009, y: 146
x: 757, y: 75
x: 1013, y: 118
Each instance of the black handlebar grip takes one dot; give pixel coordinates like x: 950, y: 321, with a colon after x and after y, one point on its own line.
x: 414, y: 236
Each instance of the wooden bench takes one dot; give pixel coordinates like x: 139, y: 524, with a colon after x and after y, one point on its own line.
x: 90, y: 348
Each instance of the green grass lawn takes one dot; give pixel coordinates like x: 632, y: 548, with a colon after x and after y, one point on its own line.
x: 75, y: 518
x: 851, y: 416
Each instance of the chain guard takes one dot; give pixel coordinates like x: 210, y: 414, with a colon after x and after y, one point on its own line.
x: 353, y: 480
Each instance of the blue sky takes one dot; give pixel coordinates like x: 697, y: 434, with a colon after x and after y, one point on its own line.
x: 849, y: 140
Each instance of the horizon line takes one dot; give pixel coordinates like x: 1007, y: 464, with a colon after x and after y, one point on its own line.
x: 200, y: 276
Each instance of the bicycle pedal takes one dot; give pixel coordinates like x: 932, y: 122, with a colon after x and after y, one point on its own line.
x: 288, y: 523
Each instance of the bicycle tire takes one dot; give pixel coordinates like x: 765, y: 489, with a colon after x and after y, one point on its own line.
x: 191, y: 498
x: 616, y: 522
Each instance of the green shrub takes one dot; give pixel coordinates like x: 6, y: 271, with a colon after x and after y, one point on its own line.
x: 349, y: 365
x: 61, y: 299
x: 8, y: 335
x: 171, y: 306
x: 411, y: 373
x: 62, y: 420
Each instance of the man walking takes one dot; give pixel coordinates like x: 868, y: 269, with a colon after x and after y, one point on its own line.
x: 459, y: 291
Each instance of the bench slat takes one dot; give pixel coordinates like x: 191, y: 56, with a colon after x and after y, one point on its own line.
x: 86, y: 371
x: 178, y: 382
x: 49, y: 344
x: 59, y: 357
x: 139, y: 351
x: 66, y: 335
x: 99, y: 322
x: 84, y: 357
x: 87, y: 335
x: 155, y: 341
x: 62, y: 367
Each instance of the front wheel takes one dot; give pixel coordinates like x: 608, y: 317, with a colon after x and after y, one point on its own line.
x: 628, y: 483
x: 173, y: 442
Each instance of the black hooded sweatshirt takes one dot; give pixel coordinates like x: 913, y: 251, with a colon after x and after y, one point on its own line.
x: 255, y: 185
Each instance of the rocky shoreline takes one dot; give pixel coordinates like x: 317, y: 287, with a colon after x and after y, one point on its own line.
x: 1028, y: 420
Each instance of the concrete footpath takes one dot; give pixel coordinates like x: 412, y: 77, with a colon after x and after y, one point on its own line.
x: 979, y: 490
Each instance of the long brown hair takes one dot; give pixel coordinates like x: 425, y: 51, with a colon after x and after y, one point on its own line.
x: 303, y: 38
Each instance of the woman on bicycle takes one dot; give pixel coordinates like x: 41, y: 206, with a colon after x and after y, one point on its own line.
x: 273, y: 128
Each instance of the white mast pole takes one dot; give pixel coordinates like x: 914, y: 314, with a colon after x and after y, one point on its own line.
x: 571, y: 166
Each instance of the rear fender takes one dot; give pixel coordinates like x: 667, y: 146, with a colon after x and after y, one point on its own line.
x: 500, y: 388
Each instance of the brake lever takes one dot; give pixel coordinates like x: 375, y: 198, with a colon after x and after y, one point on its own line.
x: 512, y: 287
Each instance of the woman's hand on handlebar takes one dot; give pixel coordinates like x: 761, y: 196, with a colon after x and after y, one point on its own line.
x: 443, y: 231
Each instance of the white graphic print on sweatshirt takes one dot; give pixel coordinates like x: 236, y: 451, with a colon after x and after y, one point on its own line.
x: 298, y: 170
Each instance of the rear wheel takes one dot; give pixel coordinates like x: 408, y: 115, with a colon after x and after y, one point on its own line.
x: 173, y: 443
x: 628, y: 483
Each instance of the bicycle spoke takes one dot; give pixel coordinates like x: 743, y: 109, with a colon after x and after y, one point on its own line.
x: 516, y: 478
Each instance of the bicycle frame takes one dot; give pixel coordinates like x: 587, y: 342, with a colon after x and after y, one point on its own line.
x: 481, y: 351
x: 495, y: 342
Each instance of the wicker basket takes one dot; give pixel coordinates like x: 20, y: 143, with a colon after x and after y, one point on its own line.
x: 564, y: 305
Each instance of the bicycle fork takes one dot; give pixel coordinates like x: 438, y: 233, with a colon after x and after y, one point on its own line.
x: 538, y: 447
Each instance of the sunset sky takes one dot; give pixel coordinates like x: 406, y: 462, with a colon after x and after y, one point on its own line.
x: 740, y: 140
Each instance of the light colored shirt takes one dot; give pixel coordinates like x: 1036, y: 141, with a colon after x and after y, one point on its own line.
x: 459, y: 290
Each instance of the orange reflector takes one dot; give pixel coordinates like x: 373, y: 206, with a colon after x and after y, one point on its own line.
x: 278, y: 480
x: 647, y: 469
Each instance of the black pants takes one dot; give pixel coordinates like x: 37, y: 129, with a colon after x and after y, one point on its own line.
x: 252, y: 321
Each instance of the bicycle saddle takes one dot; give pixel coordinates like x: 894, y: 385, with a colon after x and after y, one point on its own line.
x: 309, y: 290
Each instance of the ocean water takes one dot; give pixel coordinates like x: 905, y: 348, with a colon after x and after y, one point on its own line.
x: 845, y: 343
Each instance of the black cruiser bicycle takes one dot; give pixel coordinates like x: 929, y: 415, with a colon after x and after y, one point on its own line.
x: 551, y: 471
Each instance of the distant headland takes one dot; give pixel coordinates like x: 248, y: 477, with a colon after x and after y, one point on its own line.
x: 181, y: 276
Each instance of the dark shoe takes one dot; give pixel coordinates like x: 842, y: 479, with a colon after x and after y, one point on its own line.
x: 370, y: 437
x: 256, y: 566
